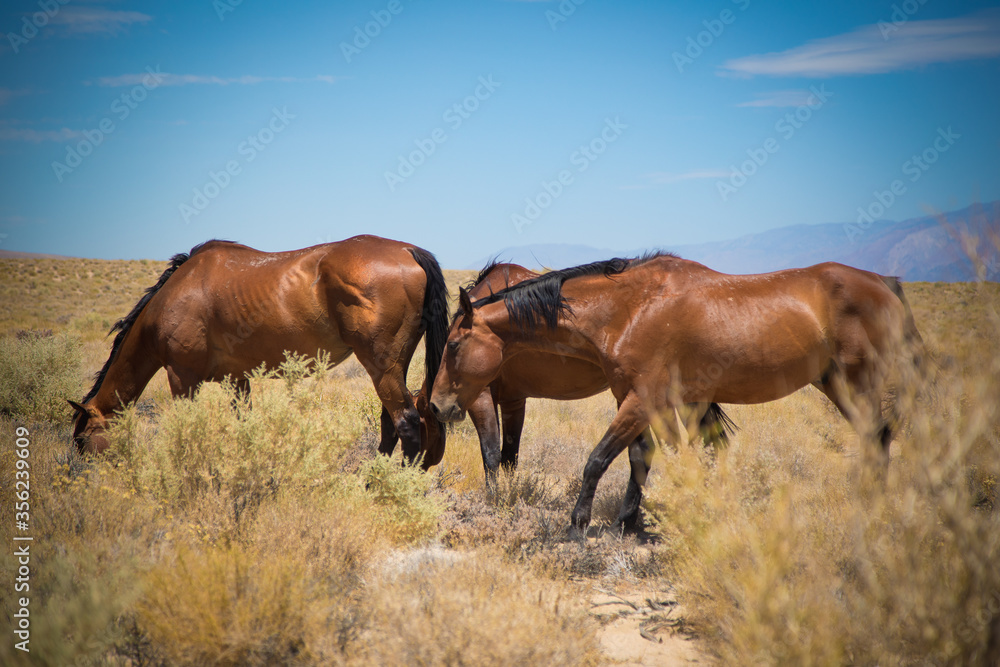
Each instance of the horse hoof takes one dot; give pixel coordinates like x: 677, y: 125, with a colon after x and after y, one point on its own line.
x: 627, y: 526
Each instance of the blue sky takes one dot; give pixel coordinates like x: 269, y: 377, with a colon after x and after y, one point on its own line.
x: 137, y: 130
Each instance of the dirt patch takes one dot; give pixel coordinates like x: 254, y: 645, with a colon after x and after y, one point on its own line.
x: 643, y: 627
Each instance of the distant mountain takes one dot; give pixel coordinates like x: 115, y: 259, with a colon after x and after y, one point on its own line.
x: 929, y: 248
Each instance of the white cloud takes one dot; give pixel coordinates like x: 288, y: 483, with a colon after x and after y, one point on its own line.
x: 165, y: 79
x: 872, y: 49
x: 91, y: 20
x: 781, y: 98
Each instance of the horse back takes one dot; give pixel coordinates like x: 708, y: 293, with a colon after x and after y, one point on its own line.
x: 230, y: 307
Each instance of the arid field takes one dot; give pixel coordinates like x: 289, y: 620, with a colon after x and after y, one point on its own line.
x: 274, y: 534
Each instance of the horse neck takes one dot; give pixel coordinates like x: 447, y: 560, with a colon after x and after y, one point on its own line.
x: 127, y: 376
x: 572, y: 337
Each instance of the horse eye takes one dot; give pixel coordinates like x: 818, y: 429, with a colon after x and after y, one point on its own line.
x: 452, y: 345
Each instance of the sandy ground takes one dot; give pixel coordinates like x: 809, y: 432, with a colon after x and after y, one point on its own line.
x: 643, y: 627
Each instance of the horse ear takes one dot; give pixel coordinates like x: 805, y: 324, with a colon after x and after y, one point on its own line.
x: 83, y: 409
x: 465, y: 303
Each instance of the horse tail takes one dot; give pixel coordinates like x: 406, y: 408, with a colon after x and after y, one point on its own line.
x: 434, y: 314
x: 124, y: 325
x: 911, y: 336
x: 716, y: 426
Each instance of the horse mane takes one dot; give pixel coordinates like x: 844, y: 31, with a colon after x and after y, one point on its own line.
x: 492, y: 264
x: 124, y: 325
x: 540, y: 300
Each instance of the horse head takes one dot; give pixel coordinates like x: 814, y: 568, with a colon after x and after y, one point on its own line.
x: 472, y: 359
x: 89, y: 429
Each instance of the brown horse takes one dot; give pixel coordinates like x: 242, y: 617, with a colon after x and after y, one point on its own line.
x: 225, y: 309
x: 669, y: 332
x: 544, y: 374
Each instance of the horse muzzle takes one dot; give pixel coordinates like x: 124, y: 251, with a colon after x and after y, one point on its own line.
x: 447, y: 413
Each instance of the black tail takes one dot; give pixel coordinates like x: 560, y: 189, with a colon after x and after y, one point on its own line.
x: 124, y: 325
x: 920, y: 375
x: 716, y: 426
x: 911, y: 335
x: 435, y: 312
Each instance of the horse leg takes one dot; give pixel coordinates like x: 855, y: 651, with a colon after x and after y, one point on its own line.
x: 389, y: 435
x: 241, y: 393
x: 483, y: 414
x: 513, y: 423
x: 182, y: 384
x: 640, y: 454
x: 864, y: 411
x: 630, y: 421
x: 387, y: 362
x: 396, y: 400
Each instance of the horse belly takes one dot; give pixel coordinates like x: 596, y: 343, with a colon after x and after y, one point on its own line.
x: 756, y: 366
x: 551, y: 376
x: 751, y: 383
x: 240, y: 349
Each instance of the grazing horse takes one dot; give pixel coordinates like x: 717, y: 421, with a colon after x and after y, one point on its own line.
x: 544, y: 374
x: 225, y: 309
x: 668, y: 332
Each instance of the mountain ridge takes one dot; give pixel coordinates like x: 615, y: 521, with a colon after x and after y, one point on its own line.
x: 926, y: 248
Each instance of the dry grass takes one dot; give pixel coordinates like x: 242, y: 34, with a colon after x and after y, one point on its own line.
x: 38, y: 370
x: 495, y: 615
x: 781, y: 559
x: 273, y: 535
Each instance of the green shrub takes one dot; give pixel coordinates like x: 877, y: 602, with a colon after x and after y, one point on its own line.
x: 218, y: 444
x: 402, y: 493
x: 38, y: 372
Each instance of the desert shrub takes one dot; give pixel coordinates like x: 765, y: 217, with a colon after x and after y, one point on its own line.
x: 474, y: 611
x: 74, y: 605
x: 409, y: 510
x: 525, y: 485
x: 222, y: 606
x: 336, y: 542
x: 88, y: 532
x: 37, y: 374
x: 292, y: 436
x: 784, y: 557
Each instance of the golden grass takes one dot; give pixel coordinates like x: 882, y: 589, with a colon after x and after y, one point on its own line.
x: 496, y: 615
x: 273, y: 535
x: 783, y: 558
